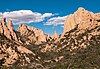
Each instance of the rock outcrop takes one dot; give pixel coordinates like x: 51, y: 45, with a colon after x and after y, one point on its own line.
x: 11, y: 29
x: 33, y: 34
x: 83, y: 18
x: 55, y: 35
x: 8, y: 31
x: 39, y: 34
x: 97, y: 17
x: 1, y: 28
x: 11, y: 51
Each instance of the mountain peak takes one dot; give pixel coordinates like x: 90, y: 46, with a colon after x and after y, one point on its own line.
x: 10, y: 25
x: 83, y: 18
x: 80, y: 9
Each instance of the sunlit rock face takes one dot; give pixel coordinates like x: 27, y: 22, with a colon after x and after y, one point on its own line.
x: 83, y: 18
x: 33, y: 34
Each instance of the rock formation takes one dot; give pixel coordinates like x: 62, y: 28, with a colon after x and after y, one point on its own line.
x: 23, y: 29
x: 38, y: 33
x: 33, y: 34
x: 8, y: 31
x: 11, y: 51
x: 97, y: 17
x: 11, y: 29
x: 83, y: 18
x: 55, y: 36
x: 1, y: 28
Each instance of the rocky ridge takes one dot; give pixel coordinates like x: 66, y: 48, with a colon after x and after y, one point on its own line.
x: 32, y: 34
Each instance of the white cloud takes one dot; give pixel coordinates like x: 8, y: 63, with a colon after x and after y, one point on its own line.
x: 62, y: 26
x: 25, y: 16
x: 56, y: 21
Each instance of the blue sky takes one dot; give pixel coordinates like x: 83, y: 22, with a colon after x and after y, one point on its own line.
x: 47, y: 15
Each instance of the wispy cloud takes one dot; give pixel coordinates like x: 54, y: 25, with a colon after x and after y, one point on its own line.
x: 56, y: 21
x: 26, y: 16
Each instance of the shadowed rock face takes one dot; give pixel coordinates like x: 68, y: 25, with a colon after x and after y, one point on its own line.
x: 1, y: 28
